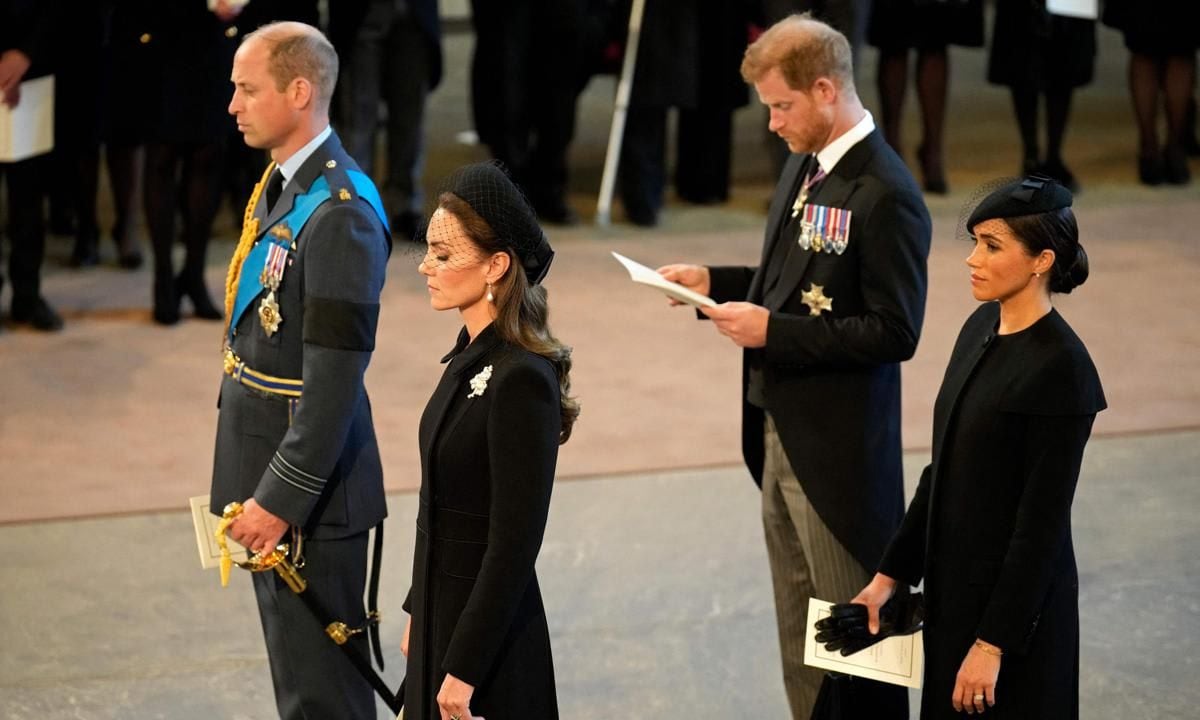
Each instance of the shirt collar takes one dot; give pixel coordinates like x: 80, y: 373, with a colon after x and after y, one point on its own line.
x: 829, y: 156
x: 289, y: 167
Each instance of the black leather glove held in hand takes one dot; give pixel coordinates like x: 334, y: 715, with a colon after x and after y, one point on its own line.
x: 846, y: 628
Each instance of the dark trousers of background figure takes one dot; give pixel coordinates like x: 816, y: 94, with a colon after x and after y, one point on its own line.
x: 702, y: 143
x: 525, y: 78
x: 190, y: 173
x: 25, y: 182
x: 311, y: 674
x: 77, y: 174
x: 390, y: 62
x: 850, y: 17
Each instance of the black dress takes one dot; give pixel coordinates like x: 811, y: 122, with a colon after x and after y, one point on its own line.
x: 989, y: 527
x: 925, y: 24
x: 489, y: 444
x: 1158, y: 28
x: 1032, y: 49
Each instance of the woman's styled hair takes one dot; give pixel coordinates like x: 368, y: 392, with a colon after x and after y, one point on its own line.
x: 522, y: 313
x: 1057, y: 231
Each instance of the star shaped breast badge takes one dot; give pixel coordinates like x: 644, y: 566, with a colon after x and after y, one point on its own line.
x: 815, y: 299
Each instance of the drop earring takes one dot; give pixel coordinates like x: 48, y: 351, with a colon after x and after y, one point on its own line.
x: 490, y: 297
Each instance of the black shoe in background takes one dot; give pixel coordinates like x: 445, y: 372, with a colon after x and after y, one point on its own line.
x: 166, y: 301
x: 1175, y: 163
x: 87, y: 250
x: 37, y: 313
x: 1055, y: 169
x: 129, y: 255
x: 1150, y: 169
x: 196, y: 291
x: 642, y: 216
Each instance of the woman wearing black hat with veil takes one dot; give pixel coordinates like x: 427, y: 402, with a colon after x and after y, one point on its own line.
x: 989, y: 528
x: 477, y: 641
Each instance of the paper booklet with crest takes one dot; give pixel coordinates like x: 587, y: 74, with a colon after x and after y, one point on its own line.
x: 641, y: 274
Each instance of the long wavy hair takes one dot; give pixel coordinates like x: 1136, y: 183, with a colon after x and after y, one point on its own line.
x: 522, y: 311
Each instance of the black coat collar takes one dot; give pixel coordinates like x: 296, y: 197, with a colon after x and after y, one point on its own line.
x: 467, y: 353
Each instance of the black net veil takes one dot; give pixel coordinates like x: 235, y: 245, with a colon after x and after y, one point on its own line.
x: 981, y: 193
x: 489, y: 191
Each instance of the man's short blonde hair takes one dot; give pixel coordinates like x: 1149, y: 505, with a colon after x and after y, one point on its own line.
x: 804, y: 49
x: 299, y: 50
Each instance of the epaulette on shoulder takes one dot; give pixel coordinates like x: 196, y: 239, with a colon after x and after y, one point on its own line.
x: 340, y: 187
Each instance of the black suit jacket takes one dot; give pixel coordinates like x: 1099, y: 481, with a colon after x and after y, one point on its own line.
x: 346, y: 19
x: 28, y: 26
x: 316, y: 465
x: 488, y: 457
x: 1006, y: 482
x: 832, y: 382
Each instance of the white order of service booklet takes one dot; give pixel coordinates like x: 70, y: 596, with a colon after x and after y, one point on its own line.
x: 899, y: 660
x: 28, y: 129
x: 205, y: 525
x: 646, y: 276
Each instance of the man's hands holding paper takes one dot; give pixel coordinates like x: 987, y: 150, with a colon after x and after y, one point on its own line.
x: 742, y: 322
x: 692, y: 277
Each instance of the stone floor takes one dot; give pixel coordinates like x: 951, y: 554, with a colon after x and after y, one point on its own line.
x: 656, y: 588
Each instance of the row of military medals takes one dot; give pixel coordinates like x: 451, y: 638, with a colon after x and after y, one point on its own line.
x: 822, y: 229
x: 272, y: 275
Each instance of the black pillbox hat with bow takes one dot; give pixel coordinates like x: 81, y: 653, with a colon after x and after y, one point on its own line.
x: 493, y: 195
x: 1028, y: 196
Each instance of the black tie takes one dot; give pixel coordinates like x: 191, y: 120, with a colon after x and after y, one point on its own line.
x: 274, y: 187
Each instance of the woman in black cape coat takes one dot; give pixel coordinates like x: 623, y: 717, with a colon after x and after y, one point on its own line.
x: 477, y: 642
x: 989, y: 528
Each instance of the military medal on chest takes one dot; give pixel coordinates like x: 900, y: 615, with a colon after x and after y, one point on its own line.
x: 825, y: 229
x: 805, y: 189
x: 272, y: 275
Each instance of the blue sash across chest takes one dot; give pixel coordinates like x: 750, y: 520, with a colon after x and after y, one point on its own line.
x: 250, y: 281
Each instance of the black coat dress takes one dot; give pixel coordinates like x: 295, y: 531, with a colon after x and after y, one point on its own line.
x: 487, y: 466
x: 989, y: 528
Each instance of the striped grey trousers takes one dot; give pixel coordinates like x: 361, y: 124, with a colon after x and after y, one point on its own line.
x: 806, y: 561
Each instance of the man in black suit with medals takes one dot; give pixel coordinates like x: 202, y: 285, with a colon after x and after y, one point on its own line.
x: 295, y: 440
x: 834, y: 306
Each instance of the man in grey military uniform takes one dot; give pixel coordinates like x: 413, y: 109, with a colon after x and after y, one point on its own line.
x: 295, y: 440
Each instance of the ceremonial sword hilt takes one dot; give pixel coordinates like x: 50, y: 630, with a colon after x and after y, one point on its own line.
x: 276, y: 560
